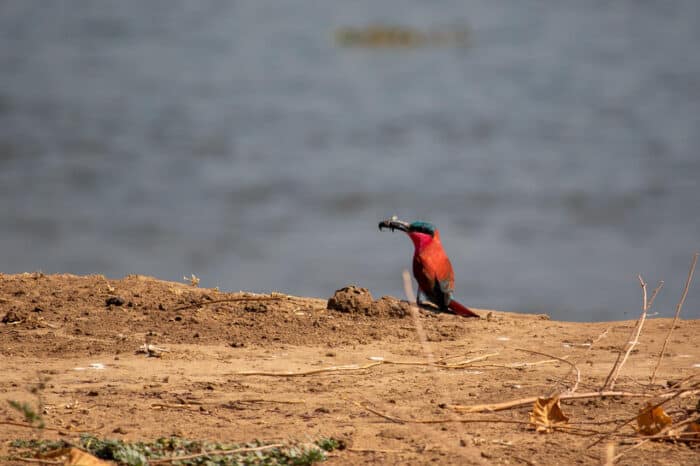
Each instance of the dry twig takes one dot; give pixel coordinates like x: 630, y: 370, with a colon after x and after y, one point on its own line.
x: 640, y: 324
x: 399, y: 420
x: 528, y: 401
x: 679, y: 306
x: 633, y: 339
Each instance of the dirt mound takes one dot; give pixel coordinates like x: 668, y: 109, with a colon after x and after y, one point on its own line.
x: 390, y: 307
x: 354, y: 299
x: 351, y: 299
x: 90, y: 314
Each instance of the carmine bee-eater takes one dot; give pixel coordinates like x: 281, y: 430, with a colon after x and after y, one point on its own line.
x: 431, y: 267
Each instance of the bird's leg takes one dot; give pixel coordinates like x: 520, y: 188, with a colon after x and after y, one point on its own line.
x: 419, y: 303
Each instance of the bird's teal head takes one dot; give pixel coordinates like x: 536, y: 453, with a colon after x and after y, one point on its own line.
x: 422, y: 227
x: 421, y: 233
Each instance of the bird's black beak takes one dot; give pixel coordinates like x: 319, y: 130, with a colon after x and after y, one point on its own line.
x: 393, y: 224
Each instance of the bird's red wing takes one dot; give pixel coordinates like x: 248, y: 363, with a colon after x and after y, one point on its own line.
x: 424, y: 277
x: 435, y: 277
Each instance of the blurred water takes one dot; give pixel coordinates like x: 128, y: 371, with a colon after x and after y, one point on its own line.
x: 234, y: 140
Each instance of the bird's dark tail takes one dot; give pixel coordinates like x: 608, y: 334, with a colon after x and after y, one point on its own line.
x: 460, y: 310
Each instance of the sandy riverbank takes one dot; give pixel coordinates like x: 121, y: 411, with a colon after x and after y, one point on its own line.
x: 81, y: 334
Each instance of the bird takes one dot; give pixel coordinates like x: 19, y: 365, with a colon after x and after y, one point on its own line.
x: 431, y: 266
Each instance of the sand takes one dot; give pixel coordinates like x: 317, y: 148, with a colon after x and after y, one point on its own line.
x: 81, y: 337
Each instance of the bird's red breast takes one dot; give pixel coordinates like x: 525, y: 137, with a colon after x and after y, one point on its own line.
x: 430, y: 262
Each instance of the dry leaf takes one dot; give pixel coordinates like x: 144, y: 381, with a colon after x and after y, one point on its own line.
x: 76, y: 457
x: 651, y: 420
x: 546, y: 413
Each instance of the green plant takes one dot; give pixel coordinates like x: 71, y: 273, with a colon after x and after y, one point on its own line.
x: 31, y: 417
x: 193, y: 452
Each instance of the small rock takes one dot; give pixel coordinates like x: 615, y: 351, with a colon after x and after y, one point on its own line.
x: 114, y: 301
x: 11, y: 317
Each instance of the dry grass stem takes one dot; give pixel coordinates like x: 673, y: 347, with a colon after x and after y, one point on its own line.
x: 573, y: 366
x: 624, y: 452
x: 230, y: 300
x: 655, y: 293
x: 480, y: 408
x: 399, y: 420
x: 640, y: 324
x: 265, y: 400
x: 609, y: 458
x: 667, y: 397
x: 215, y: 452
x: 516, y: 365
x: 52, y: 429
x: 420, y: 331
x: 199, y: 406
x: 378, y: 413
x: 633, y: 339
x: 353, y: 367
x: 372, y: 450
x: 374, y: 363
x: 664, y: 434
x: 190, y: 407
x: 29, y: 426
x: 679, y: 306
